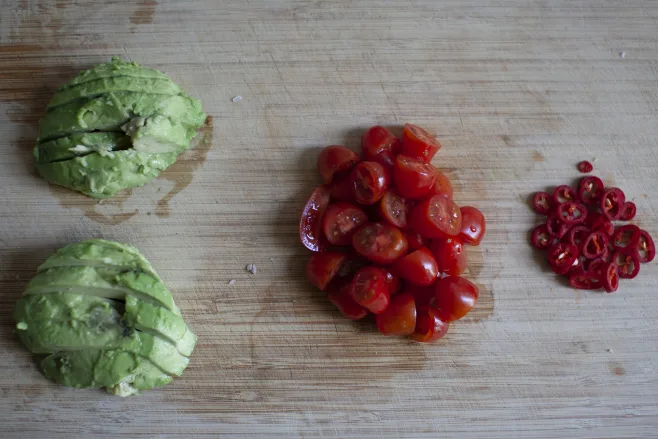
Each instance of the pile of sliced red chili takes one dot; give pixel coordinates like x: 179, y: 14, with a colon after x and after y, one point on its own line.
x: 580, y: 239
x: 387, y: 237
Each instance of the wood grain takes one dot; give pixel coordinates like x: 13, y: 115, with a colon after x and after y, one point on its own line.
x: 518, y: 91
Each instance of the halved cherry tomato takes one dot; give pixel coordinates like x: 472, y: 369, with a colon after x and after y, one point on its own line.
x: 418, y: 267
x: 400, y: 316
x: 371, y: 180
x: 340, y: 221
x: 571, y: 213
x: 346, y: 305
x: 423, y: 295
x: 416, y: 142
x: 585, y: 281
x: 369, y: 289
x: 386, y: 159
x: 564, y: 194
x: 437, y: 217
x: 540, y: 239
x: 595, y: 245
x: 414, y: 239
x: 429, y: 326
x: 473, y: 226
x: 442, y: 185
x: 377, y: 140
x: 454, y: 297
x: 561, y: 257
x: 450, y: 255
x: 413, y: 177
x: 590, y: 190
x: 335, y: 159
x: 394, y: 209
x: 628, y: 211
x: 577, y: 236
x: 556, y: 227
x: 646, y: 247
x: 393, y: 283
x: 627, y: 236
x: 612, y: 203
x: 310, y: 224
x: 380, y: 243
x: 322, y: 267
x: 342, y: 187
x: 542, y: 202
x: 610, y: 277
x: 628, y: 261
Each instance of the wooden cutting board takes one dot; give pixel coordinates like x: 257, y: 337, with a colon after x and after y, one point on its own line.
x: 518, y: 92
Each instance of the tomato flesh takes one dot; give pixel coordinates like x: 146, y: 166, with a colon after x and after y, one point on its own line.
x: 429, y: 326
x: 400, y: 316
x: 442, y: 185
x: 322, y: 267
x: 394, y: 209
x: 335, y: 159
x: 369, y: 289
x: 340, y: 221
x: 380, y: 243
x: 310, y: 224
x: 450, y: 255
x: 437, y: 217
x: 454, y: 297
x: 473, y: 226
x: 378, y: 140
x: 413, y: 177
x: 416, y: 142
x: 418, y: 267
x: 371, y: 180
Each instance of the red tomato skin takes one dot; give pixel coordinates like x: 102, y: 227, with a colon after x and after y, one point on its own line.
x: 417, y: 142
x: 377, y: 140
x: 473, y: 227
x: 429, y: 325
x: 380, y: 243
x: 454, y: 297
x: 340, y: 221
x: 442, y: 185
x: 447, y: 214
x: 310, y: 223
x: 322, y: 267
x: 368, y: 288
x: 342, y: 188
x: 422, y: 295
x: 400, y: 316
x: 450, y: 255
x: 371, y: 180
x: 413, y: 177
x: 414, y: 239
x: 393, y: 282
x: 334, y: 159
x: 418, y: 267
x: 346, y: 305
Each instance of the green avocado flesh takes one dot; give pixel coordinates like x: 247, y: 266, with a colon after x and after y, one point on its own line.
x: 104, y: 318
x: 113, y: 127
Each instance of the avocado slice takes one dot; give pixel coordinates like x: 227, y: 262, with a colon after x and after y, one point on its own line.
x: 81, y: 144
x: 109, y: 111
x: 101, y: 86
x: 102, y: 282
x: 102, y: 176
x: 159, y: 322
x: 116, y: 67
x: 158, y: 134
x: 99, y: 253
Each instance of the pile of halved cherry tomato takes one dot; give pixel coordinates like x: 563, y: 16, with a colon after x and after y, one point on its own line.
x: 580, y: 240
x: 387, y: 237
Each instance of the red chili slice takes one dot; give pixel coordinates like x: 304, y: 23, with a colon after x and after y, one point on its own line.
x: 587, y: 281
x: 595, y: 266
x: 542, y: 202
x: 585, y: 167
x: 561, y: 257
x: 612, y: 203
x: 628, y: 211
x: 606, y: 227
x: 571, y: 213
x: 541, y: 239
x: 564, y: 194
x: 610, y: 277
x: 578, y: 266
x: 595, y: 245
x: 628, y: 262
x: 627, y: 236
x: 577, y: 236
x: 646, y: 248
x: 556, y: 227
x: 590, y: 190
